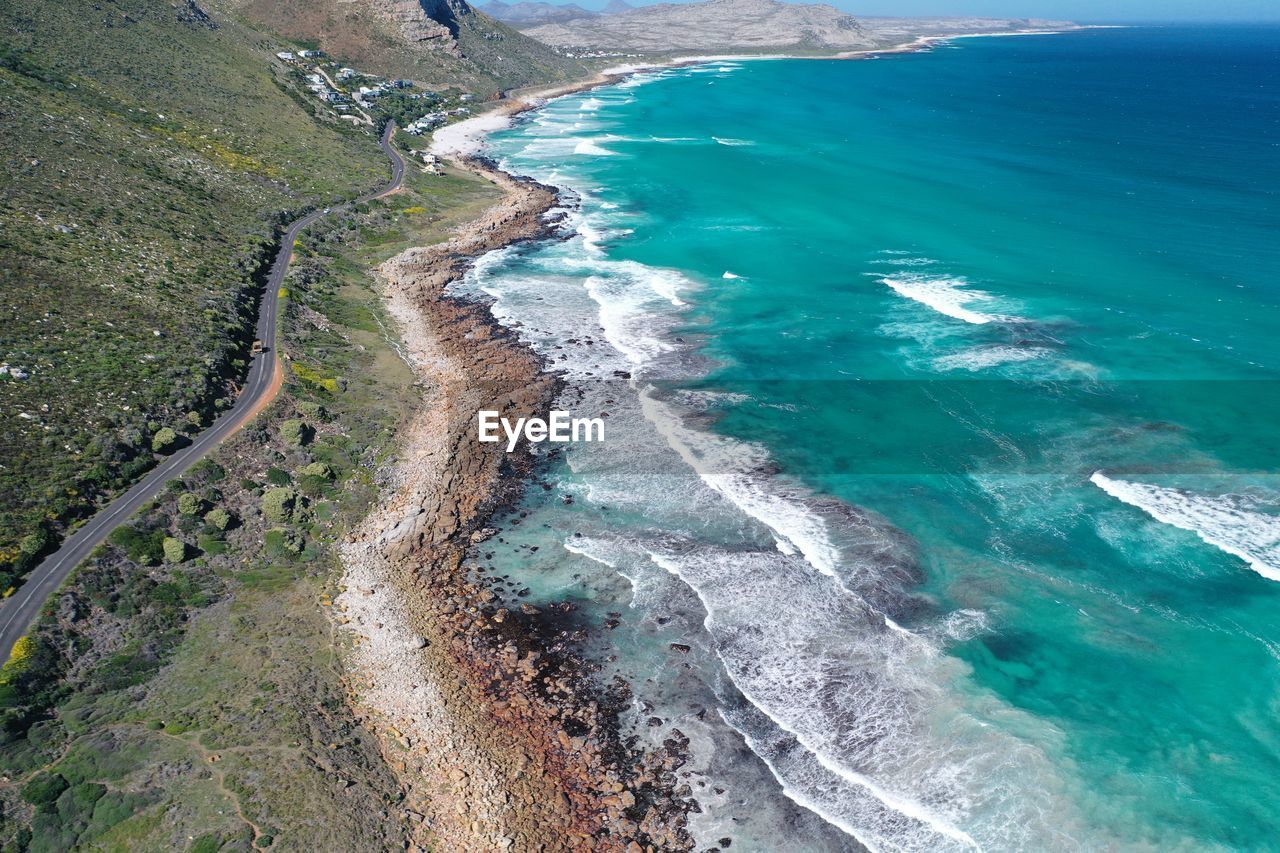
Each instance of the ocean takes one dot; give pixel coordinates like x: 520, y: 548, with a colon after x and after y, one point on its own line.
x: 941, y: 424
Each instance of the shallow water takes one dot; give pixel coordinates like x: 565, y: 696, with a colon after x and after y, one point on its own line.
x: 941, y: 427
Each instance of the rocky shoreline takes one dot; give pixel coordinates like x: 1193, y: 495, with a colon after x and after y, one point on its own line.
x: 501, y: 735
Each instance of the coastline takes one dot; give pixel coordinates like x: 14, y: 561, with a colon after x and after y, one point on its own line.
x: 500, y: 736
x: 466, y: 138
x: 494, y: 725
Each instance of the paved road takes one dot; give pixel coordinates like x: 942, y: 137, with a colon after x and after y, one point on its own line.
x: 18, y: 612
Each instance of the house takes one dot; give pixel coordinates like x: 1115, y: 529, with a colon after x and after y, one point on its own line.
x: 427, y: 122
x: 466, y: 98
x: 285, y: 55
x: 346, y: 73
x: 402, y: 84
x: 310, y: 54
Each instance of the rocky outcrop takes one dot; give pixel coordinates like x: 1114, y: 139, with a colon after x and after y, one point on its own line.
x: 418, y: 25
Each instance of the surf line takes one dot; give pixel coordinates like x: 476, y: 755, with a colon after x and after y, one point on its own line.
x: 560, y: 428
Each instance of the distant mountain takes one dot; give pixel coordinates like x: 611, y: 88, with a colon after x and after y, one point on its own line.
x: 530, y: 14
x: 720, y: 24
x: 616, y: 7
x: 434, y: 42
x: 755, y: 25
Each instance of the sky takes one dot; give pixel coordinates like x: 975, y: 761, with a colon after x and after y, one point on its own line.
x: 1074, y: 10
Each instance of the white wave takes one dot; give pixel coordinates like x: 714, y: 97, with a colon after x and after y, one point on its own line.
x: 898, y: 261
x: 591, y: 104
x: 1225, y: 522
x: 732, y: 142
x: 589, y: 147
x: 879, y: 746
x: 727, y: 466
x: 949, y: 296
x: 622, y: 317
x: 981, y: 358
x: 730, y: 275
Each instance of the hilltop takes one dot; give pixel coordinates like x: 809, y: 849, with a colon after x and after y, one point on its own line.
x: 434, y: 42
x: 528, y: 14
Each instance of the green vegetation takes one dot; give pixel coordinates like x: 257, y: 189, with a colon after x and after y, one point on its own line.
x: 175, y: 550
x: 152, y: 155
x: 279, y: 504
x: 189, y: 503
x: 295, y: 433
x: 218, y: 518
x: 146, y: 548
x: 164, y: 441
x: 202, y: 702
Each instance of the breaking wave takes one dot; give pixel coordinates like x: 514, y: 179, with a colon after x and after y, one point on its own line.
x: 1228, y: 523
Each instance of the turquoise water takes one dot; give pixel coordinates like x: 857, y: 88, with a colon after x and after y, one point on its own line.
x: 942, y: 427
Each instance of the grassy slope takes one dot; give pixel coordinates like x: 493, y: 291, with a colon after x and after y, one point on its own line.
x: 146, y: 162
x: 201, y: 706
x: 495, y: 57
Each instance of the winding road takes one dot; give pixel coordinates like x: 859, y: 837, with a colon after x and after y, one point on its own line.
x: 261, y: 386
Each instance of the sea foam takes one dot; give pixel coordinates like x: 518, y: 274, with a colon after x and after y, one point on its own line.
x: 1226, y: 522
x: 949, y: 296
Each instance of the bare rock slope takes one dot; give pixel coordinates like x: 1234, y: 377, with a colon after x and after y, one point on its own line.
x: 434, y: 42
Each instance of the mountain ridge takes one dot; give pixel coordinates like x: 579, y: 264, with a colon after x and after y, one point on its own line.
x: 758, y: 25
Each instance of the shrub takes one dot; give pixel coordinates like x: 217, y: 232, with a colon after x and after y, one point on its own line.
x: 278, y: 477
x: 146, y: 548
x: 313, y: 410
x: 209, y: 470
x: 43, y: 791
x: 189, y: 503
x: 316, y: 469
x: 281, y: 540
x: 164, y: 441
x: 78, y: 802
x: 19, y: 659
x: 279, y: 504
x: 175, y: 550
x: 218, y: 517
x: 35, y: 542
x: 295, y: 432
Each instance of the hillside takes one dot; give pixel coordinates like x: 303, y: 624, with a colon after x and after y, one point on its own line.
x: 754, y: 25
x: 150, y: 153
x: 720, y: 24
x: 529, y: 14
x: 434, y: 42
